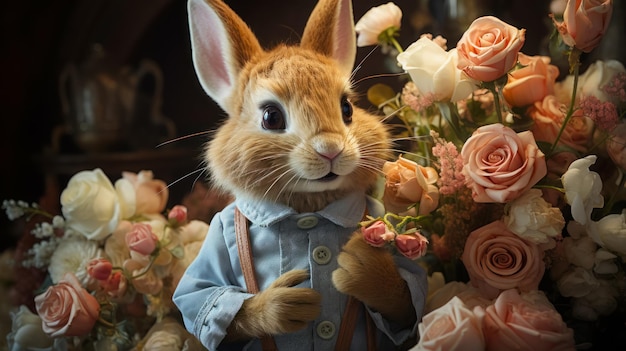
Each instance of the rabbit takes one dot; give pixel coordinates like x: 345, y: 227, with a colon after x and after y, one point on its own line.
x: 300, y: 159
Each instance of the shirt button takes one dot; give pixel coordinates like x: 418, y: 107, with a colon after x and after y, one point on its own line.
x: 326, y: 330
x: 307, y: 222
x: 321, y: 255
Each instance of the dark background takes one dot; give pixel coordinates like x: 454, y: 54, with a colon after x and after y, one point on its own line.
x: 39, y: 38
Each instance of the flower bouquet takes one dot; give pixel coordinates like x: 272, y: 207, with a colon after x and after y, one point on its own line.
x: 112, y: 258
x: 512, y: 186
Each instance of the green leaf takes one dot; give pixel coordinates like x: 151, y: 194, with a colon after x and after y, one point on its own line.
x: 379, y: 94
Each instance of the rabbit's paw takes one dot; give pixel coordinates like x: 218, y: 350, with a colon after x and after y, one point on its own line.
x: 279, y: 309
x: 370, y: 274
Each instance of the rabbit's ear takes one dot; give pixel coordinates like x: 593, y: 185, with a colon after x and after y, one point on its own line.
x: 330, y: 31
x: 221, y: 45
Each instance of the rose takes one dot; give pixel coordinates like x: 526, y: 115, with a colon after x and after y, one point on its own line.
x: 532, y: 82
x: 115, y: 285
x: 376, y: 21
x: 143, y: 278
x: 26, y: 331
x: 178, y: 215
x: 591, y: 82
x: 488, y: 49
x: 577, y: 282
x: 411, y: 245
x: 433, y: 70
x: 66, y: 309
x: 533, y: 218
x: 500, y: 165
x: 604, y: 262
x: 616, y: 146
x: 151, y: 194
x: 407, y: 183
x: 470, y: 296
x: 451, y: 327
x: 377, y: 234
x: 526, y: 322
x: 497, y: 260
x: 548, y: 115
x: 610, y: 232
x: 580, y: 252
x: 140, y: 239
x: 93, y: 207
x: 582, y: 188
x: 99, y: 268
x: 584, y: 23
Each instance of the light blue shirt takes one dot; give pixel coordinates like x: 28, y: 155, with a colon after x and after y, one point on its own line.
x: 212, y: 289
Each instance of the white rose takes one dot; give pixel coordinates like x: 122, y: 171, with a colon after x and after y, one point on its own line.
x: 610, y: 232
x: 582, y: 188
x: 434, y: 71
x: 580, y: 252
x: 93, y: 207
x: 591, y: 82
x: 27, y: 332
x: 577, y: 282
x: 375, y: 21
x: 533, y: 218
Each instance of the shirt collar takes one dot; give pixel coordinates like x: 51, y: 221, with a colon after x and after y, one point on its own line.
x: 345, y: 212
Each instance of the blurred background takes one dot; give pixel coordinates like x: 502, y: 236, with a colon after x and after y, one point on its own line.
x: 125, y: 65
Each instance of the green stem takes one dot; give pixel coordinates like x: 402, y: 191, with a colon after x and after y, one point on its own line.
x: 492, y: 86
x: 395, y: 44
x: 611, y: 202
x: 574, y: 61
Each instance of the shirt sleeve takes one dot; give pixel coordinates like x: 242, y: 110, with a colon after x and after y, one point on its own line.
x: 208, y: 295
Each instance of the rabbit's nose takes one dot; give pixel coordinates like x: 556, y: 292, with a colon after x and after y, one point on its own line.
x: 330, y: 155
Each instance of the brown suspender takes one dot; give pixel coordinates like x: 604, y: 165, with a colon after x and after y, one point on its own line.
x: 348, y: 320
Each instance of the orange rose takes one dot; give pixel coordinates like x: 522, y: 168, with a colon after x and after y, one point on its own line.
x: 66, y: 309
x: 500, y: 165
x: 151, y: 194
x: 407, y: 184
x: 497, y: 259
x: 489, y: 48
x: 549, y: 115
x: 532, y: 82
x: 585, y: 22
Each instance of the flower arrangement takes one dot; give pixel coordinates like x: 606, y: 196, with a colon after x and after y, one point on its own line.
x: 512, y: 188
x: 113, y: 258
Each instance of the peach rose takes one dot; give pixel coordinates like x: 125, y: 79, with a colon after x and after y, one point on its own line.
x: 377, y: 234
x: 488, y: 49
x: 585, y: 22
x: 496, y: 259
x: 99, y: 268
x: 66, y: 309
x: 407, y: 184
x: 500, y: 165
x: 151, y: 194
x: 411, y: 245
x: 525, y: 322
x: 531, y: 83
x: 451, y: 327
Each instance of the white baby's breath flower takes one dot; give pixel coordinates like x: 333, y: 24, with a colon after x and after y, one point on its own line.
x: 376, y: 21
x: 12, y: 209
x: 43, y: 230
x: 73, y: 255
x: 58, y: 222
x: 533, y: 218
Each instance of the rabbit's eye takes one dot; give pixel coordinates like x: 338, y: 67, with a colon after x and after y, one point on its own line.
x: 273, y: 118
x: 346, y: 110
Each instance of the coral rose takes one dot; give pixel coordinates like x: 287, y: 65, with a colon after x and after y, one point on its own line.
x: 500, y: 165
x: 532, y: 82
x: 66, y: 309
x: 412, y: 245
x: 377, y: 234
x: 525, y: 322
x: 408, y: 184
x: 585, y: 22
x: 488, y: 49
x: 451, y: 327
x: 497, y: 259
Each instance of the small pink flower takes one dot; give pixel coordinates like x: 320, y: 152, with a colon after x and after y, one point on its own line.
x: 141, y: 239
x: 115, y: 285
x: 377, y: 234
x: 412, y: 245
x: 99, y: 268
x: 178, y: 214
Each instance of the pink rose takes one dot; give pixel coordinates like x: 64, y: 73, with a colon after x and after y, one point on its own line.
x: 499, y: 164
x: 151, y: 194
x: 532, y: 82
x: 497, y: 259
x: 141, y: 239
x: 377, y: 234
x: 527, y: 322
x: 452, y: 327
x: 67, y: 309
x: 178, y: 214
x: 411, y: 245
x: 488, y: 49
x: 407, y: 184
x: 99, y: 268
x: 585, y: 22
